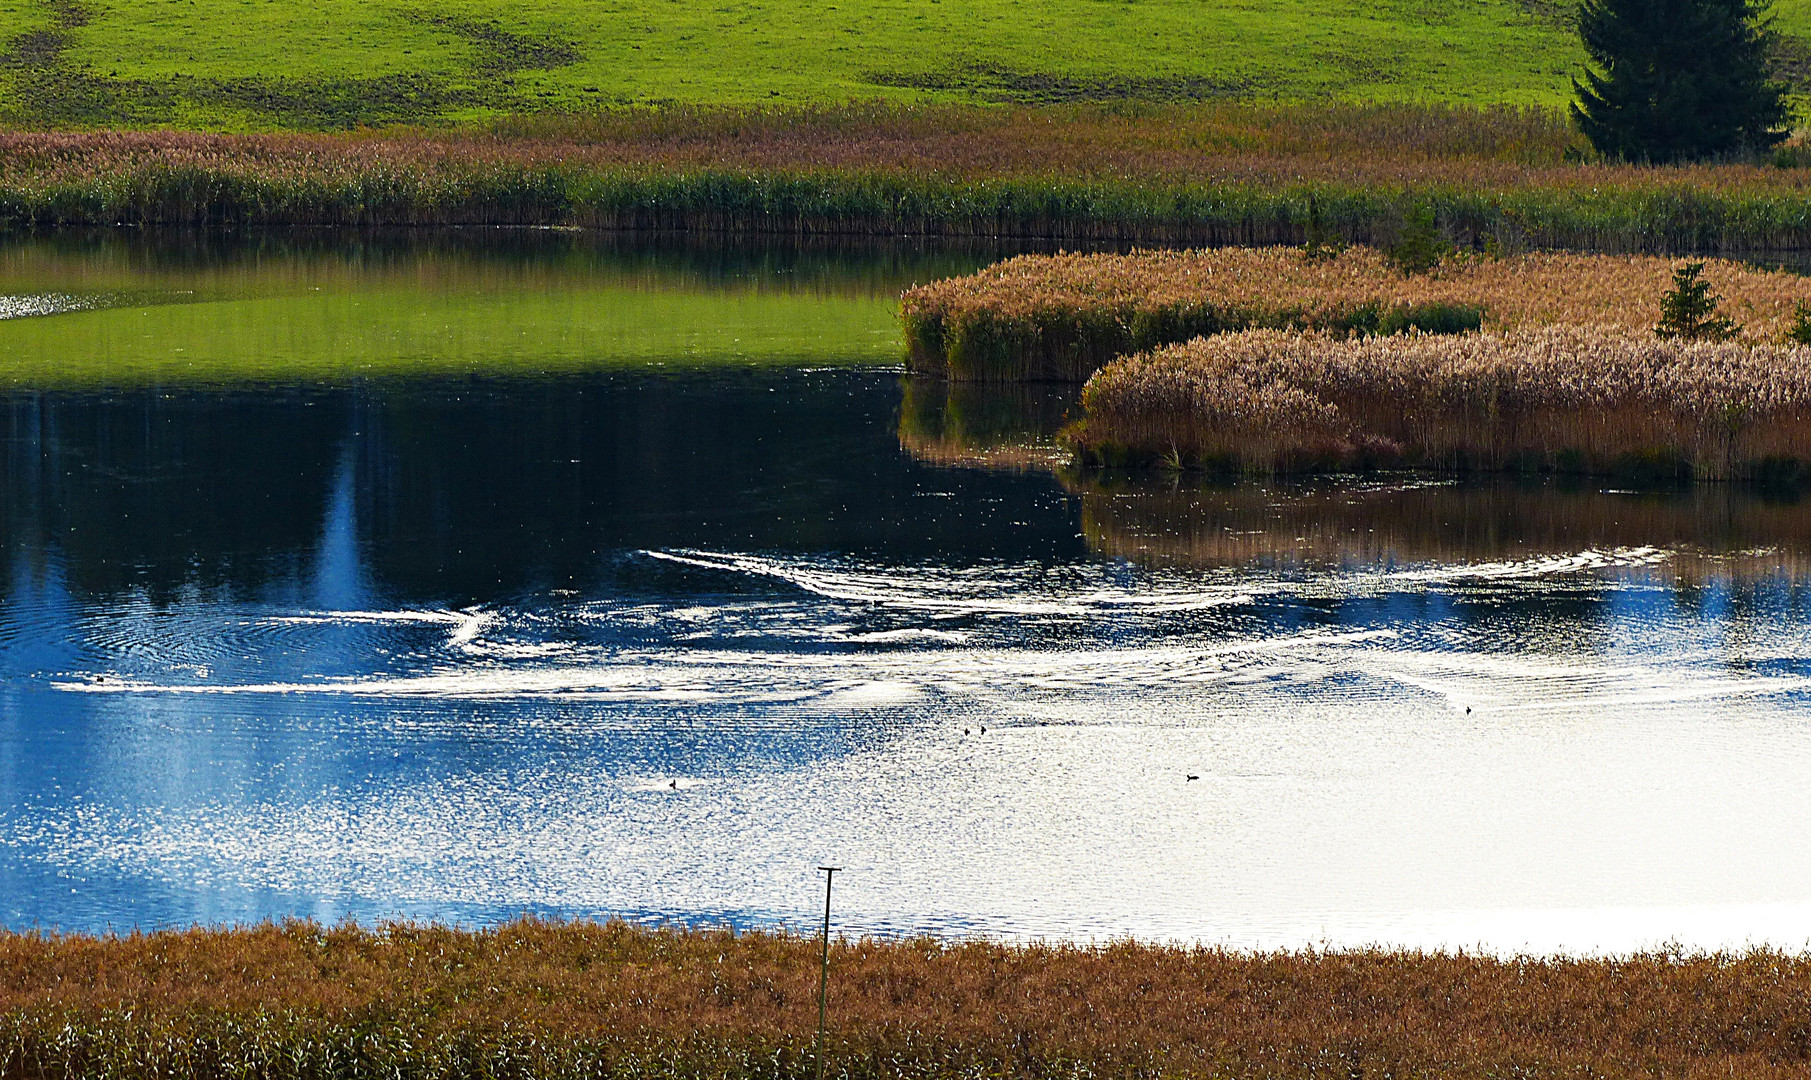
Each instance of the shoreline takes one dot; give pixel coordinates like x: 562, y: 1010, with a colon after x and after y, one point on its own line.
x: 736, y: 202
x: 1221, y: 174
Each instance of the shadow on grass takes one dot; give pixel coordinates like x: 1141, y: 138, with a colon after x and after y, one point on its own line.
x: 46, y: 90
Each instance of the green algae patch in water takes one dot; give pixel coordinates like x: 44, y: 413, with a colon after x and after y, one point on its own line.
x: 105, y: 319
x: 407, y: 332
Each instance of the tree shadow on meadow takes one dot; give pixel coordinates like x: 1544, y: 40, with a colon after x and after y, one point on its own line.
x: 48, y: 90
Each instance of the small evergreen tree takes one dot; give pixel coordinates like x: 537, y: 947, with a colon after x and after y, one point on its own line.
x: 1320, y: 246
x: 1420, y: 248
x: 1689, y: 310
x: 1678, y: 79
x: 1800, y: 334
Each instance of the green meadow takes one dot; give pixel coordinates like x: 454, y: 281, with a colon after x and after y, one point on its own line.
x: 258, y: 64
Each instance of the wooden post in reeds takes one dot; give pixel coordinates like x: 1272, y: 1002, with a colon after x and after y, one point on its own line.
x: 823, y: 985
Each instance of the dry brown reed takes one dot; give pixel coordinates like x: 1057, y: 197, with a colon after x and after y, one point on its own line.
x: 1142, y: 138
x: 1151, y: 143
x: 1585, y: 399
x: 532, y: 999
x: 1063, y: 316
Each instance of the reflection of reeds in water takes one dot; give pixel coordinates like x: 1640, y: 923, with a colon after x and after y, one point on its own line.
x: 1572, y: 399
x: 1705, y: 530
x: 990, y: 426
x: 530, y: 1000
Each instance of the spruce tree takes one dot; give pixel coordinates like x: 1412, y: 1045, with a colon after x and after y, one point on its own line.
x: 1678, y: 79
x: 1689, y: 309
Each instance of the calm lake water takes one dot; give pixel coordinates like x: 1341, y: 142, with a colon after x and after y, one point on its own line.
x: 595, y: 579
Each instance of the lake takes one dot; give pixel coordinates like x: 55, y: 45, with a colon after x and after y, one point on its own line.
x: 458, y: 576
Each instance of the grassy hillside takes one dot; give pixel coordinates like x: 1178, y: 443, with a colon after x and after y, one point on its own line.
x: 253, y: 64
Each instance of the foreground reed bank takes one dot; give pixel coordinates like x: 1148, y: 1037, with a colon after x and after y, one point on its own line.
x: 1218, y: 173
x: 1064, y: 316
x: 532, y: 999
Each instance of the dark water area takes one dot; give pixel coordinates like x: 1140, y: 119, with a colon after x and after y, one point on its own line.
x: 464, y: 492
x: 571, y: 610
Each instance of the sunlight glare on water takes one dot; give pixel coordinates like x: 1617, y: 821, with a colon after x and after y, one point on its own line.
x: 1427, y: 757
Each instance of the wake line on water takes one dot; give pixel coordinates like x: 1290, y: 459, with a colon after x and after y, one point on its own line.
x: 994, y: 591
x: 466, y: 624
x: 955, y: 593
x: 1301, y: 669
x: 487, y: 657
x: 682, y: 675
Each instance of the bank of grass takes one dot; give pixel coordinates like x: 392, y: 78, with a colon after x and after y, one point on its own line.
x: 1206, y: 174
x: 532, y: 999
x: 1064, y: 316
x: 1590, y: 399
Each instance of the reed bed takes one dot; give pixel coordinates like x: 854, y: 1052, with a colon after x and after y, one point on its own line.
x: 1594, y: 399
x: 1213, y: 174
x: 532, y: 999
x: 1063, y: 316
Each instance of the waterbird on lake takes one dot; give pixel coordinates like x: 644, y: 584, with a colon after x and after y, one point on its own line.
x: 674, y: 784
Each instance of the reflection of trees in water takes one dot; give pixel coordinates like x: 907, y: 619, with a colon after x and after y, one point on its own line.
x: 1712, y: 528
x: 467, y: 490
x: 261, y: 263
x: 154, y: 492
x: 1011, y: 426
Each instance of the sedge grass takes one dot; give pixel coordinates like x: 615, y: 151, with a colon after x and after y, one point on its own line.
x: 1574, y: 399
x: 1214, y: 175
x: 532, y: 1000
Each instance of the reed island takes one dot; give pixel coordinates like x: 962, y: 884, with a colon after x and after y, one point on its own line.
x: 1287, y: 360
